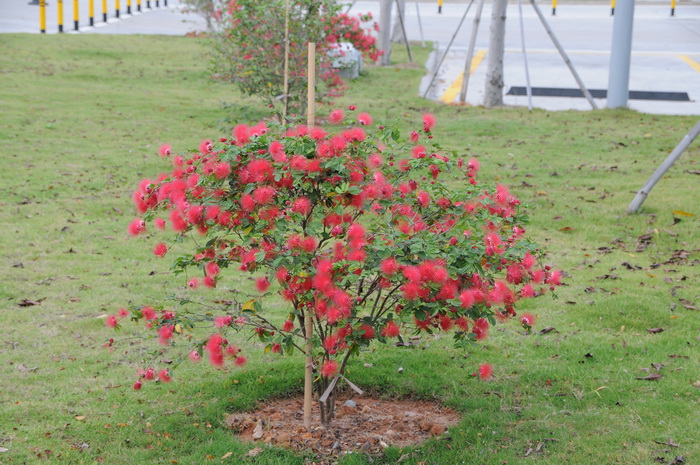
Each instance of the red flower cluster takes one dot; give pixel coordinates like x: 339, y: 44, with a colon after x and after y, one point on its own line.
x: 357, y: 229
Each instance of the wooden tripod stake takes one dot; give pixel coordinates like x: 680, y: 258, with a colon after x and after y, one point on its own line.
x: 308, y: 324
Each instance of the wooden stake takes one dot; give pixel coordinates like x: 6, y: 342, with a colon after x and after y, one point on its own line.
x: 286, y: 61
x: 308, y: 324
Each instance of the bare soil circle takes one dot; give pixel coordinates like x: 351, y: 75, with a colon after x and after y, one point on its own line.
x: 362, y: 424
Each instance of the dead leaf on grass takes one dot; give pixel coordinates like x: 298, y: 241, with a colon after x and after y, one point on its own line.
x: 30, y: 303
x: 546, y: 330
x: 254, y: 452
x: 655, y: 330
x: 687, y: 304
x: 670, y: 443
x: 651, y: 377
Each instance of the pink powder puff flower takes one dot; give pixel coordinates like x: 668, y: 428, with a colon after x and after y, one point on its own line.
x: 428, y: 122
x: 159, y: 223
x: 164, y: 150
x: 111, y: 322
x: 302, y: 205
x: 288, y: 326
x: 212, y: 269
x: 149, y: 313
x: 221, y: 321
x: 137, y: 385
x: 164, y: 377
x: 485, y: 371
x: 160, y: 250
x: 240, y: 361
x: 528, y: 320
x: 209, y: 281
x: 149, y: 374
x: 194, y: 356
x: 193, y: 283
x: 389, y: 266
x: 262, y: 284
x: 336, y: 116
x: 330, y: 367
x: 391, y: 329
x: 414, y: 137
x: 205, y: 146
x: 365, y: 119
x: 136, y: 227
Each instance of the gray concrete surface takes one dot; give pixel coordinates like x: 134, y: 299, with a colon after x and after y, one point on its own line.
x: 665, y: 49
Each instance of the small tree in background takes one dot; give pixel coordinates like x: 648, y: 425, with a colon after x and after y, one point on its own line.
x: 373, y: 235
x: 249, y: 47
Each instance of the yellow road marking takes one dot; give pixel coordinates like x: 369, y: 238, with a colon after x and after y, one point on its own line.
x: 456, y: 86
x: 693, y: 64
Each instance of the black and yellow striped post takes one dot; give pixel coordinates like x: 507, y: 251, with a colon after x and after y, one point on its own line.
x: 612, y: 7
x: 42, y: 16
x: 554, y: 7
x: 148, y: 4
x: 60, y: 15
x: 75, y: 15
x: 157, y: 3
x: 104, y: 11
x: 673, y: 7
x: 116, y: 8
x: 439, y: 6
x: 138, y: 5
x: 165, y: 2
x: 92, y: 12
x: 128, y: 7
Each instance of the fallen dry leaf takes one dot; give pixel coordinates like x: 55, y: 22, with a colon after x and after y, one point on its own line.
x: 670, y: 443
x: 254, y: 452
x: 546, y: 330
x: 651, y: 377
x: 226, y: 455
x: 30, y: 303
x: 655, y: 330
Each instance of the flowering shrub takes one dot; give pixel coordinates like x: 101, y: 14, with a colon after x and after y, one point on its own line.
x: 356, y: 227
x: 249, y: 49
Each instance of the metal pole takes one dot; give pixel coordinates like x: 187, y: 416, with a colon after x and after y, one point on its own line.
x: 60, y: 15
x: 116, y: 8
x: 444, y: 55
x: 554, y: 7
x: 564, y: 56
x: 75, y: 14
x: 385, y: 31
x: 104, y: 11
x: 92, y: 12
x: 527, y: 69
x: 620, y: 55
x: 612, y: 7
x: 673, y: 7
x: 42, y: 16
x: 403, y: 30
x: 470, y: 51
x: 420, y: 27
x: 128, y: 7
x: 661, y: 170
x: 439, y: 7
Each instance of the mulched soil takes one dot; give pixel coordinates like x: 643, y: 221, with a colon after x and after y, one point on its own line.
x: 368, y: 426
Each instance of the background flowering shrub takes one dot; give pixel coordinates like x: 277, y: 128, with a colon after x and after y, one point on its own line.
x: 249, y: 47
x: 375, y: 236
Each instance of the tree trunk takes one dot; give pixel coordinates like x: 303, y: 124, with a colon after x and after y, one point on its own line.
x: 397, y: 36
x: 493, y: 91
x: 385, y: 31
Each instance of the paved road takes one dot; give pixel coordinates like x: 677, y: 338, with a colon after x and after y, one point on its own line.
x: 666, y: 50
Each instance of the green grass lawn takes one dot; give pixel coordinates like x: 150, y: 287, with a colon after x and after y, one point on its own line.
x: 82, y: 118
